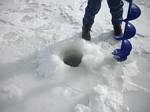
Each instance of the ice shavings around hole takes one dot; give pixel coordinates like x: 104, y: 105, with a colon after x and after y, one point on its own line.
x: 104, y: 99
x: 131, y: 70
x: 12, y: 89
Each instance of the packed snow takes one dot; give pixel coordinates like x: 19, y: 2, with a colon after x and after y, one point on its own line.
x: 35, y: 37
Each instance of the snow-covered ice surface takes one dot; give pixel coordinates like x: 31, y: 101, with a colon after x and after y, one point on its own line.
x: 34, y: 36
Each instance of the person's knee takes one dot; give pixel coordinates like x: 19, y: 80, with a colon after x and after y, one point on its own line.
x: 116, y: 10
x: 93, y: 6
x: 115, y: 4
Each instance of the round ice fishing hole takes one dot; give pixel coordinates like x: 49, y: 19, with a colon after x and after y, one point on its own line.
x: 72, y: 57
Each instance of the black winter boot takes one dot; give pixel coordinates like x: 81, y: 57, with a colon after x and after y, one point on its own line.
x: 117, y: 30
x: 86, y: 33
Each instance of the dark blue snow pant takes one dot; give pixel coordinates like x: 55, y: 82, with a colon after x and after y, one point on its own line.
x: 116, y: 10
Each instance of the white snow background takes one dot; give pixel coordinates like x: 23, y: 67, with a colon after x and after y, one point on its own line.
x: 34, y: 36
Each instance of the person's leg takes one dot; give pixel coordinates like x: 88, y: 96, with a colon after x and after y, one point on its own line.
x: 116, y: 10
x: 91, y: 10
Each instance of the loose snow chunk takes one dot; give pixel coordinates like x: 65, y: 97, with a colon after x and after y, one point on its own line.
x: 93, y: 55
x: 82, y: 108
x: 48, y: 64
x: 11, y: 92
x: 104, y: 99
x: 131, y: 69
